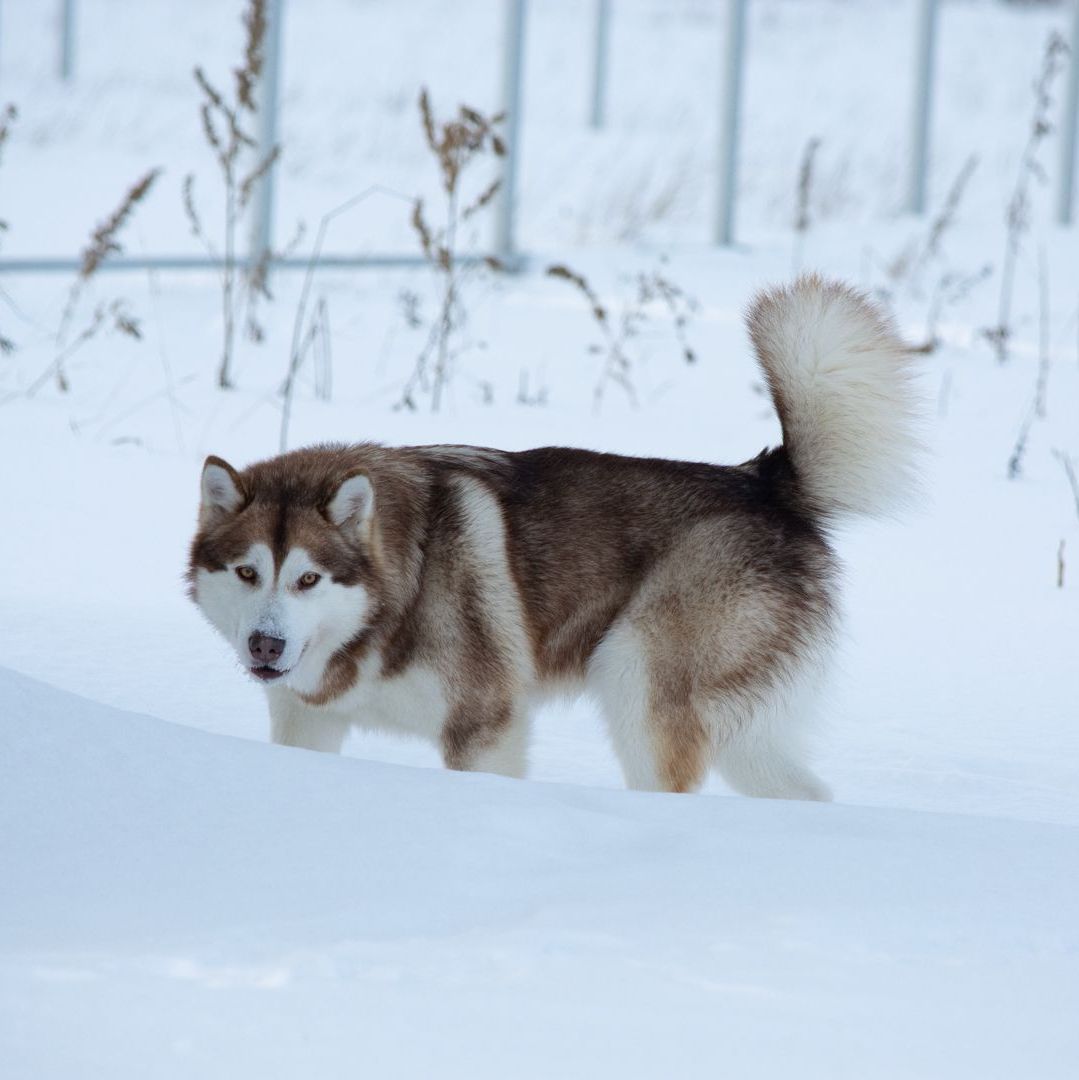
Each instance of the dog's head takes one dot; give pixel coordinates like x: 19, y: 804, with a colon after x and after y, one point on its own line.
x: 285, y: 562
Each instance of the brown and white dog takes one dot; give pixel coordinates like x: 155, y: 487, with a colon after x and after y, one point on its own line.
x: 441, y: 590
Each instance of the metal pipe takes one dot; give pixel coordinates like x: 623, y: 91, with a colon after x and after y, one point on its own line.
x: 67, y: 40
x: 597, y: 113
x: 262, y: 207
x: 1069, y: 123
x: 729, y: 117
x: 512, y: 63
x: 922, y: 105
x: 63, y: 264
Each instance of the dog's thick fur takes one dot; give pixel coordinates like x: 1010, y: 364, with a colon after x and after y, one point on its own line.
x: 456, y: 585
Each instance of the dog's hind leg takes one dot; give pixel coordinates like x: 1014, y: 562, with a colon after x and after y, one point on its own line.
x: 759, y: 766
x: 764, y: 755
x: 657, y: 733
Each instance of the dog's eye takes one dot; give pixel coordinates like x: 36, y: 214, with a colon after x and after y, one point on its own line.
x: 247, y: 573
x: 309, y: 580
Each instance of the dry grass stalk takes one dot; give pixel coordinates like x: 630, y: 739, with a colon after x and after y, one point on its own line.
x: 8, y: 115
x: 1015, y: 462
x: 951, y: 287
x: 258, y: 285
x: 680, y: 305
x: 113, y: 315
x: 411, y: 308
x: 248, y: 75
x: 191, y: 212
x: 104, y: 242
x: 310, y: 334
x: 1044, y: 353
x: 1067, y: 463
x: 651, y: 195
x: 802, y: 220
x: 911, y: 261
x: 949, y: 211
x: 617, y: 366
x: 1041, y: 386
x: 223, y: 126
x: 455, y: 144
x: 619, y: 362
x: 1017, y: 216
x: 526, y: 396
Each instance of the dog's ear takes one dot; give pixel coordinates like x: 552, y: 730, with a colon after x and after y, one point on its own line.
x: 353, y: 504
x: 222, y: 493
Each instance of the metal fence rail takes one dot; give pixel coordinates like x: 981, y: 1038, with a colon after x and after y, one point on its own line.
x: 601, y: 45
x: 1069, y: 128
x: 513, y: 48
x: 925, y: 39
x: 35, y: 265
x: 730, y: 117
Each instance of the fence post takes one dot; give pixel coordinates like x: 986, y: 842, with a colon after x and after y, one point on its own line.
x: 729, y: 117
x: 67, y: 39
x: 262, y: 206
x: 597, y: 115
x: 922, y: 105
x: 1068, y: 124
x: 512, y: 63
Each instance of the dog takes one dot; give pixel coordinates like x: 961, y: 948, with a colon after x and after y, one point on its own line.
x: 443, y: 590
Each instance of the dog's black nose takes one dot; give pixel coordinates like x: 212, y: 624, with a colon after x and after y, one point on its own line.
x: 265, y: 650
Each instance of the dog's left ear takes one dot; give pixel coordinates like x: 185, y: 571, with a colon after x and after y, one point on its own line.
x: 222, y: 493
x: 353, y: 504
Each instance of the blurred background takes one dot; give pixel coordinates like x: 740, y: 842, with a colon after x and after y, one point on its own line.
x: 641, y: 171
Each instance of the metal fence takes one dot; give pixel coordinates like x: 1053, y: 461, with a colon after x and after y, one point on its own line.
x: 732, y: 54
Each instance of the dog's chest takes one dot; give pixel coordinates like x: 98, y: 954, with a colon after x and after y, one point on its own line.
x: 413, y: 701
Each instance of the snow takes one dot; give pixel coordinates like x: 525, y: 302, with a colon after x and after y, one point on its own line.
x: 178, y: 898
x: 182, y: 904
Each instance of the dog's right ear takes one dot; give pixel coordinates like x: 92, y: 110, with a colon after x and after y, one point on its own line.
x: 353, y: 504
x: 222, y: 493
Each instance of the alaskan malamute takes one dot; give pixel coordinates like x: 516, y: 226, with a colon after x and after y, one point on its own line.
x: 442, y: 590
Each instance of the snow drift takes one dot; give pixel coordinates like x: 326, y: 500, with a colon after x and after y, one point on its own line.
x: 177, y: 904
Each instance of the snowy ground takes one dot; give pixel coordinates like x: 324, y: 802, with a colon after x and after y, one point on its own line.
x: 179, y: 903
x: 200, y: 906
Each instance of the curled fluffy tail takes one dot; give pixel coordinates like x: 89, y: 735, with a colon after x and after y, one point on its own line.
x: 841, y: 381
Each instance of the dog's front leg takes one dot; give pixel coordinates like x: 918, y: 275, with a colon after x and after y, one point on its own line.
x: 295, y: 723
x: 487, y: 735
